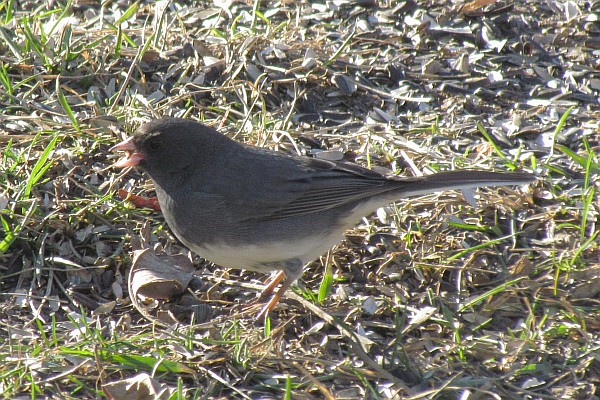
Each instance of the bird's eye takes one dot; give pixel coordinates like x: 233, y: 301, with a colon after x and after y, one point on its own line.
x: 155, y: 143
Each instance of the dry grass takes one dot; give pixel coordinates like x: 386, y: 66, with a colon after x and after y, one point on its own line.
x: 430, y: 298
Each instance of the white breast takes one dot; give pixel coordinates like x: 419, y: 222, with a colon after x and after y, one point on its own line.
x: 254, y: 257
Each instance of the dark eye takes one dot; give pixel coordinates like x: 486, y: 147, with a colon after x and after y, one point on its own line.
x: 155, y: 143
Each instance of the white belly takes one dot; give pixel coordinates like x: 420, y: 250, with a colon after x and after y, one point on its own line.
x: 254, y: 256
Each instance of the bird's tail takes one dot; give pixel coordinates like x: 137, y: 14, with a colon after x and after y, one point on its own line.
x: 465, y: 179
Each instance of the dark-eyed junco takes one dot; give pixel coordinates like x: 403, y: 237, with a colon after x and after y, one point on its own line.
x: 249, y: 208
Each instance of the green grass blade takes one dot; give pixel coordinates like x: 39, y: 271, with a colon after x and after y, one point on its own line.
x: 559, y: 127
x: 133, y: 361
x: 8, y: 7
x: 34, y: 42
x: 497, y: 150
x: 14, y: 48
x: 65, y: 105
x: 480, y: 246
x: 326, y: 282
x: 341, y: 48
x: 5, y: 80
x: 492, y: 292
x: 588, y: 200
x: 40, y: 166
x: 128, y: 13
x: 66, y: 9
x: 582, y: 161
x: 11, y: 234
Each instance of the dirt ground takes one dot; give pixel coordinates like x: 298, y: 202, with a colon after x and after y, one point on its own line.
x: 491, y: 296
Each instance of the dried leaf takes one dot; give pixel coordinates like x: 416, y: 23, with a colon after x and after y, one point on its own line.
x: 140, y: 386
x: 475, y: 5
x: 159, y: 277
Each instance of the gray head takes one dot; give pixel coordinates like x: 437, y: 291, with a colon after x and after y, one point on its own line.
x: 172, y: 150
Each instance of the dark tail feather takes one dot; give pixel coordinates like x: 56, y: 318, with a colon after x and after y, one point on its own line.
x: 460, y: 180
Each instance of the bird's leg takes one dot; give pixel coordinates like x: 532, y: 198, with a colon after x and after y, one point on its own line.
x: 292, y: 270
x: 273, y: 282
x: 275, y: 299
x: 268, y: 290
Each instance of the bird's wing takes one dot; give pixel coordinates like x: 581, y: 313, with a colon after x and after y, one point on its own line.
x: 307, y: 185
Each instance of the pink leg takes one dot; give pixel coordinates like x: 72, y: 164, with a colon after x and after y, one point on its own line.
x: 276, y: 297
x: 292, y: 270
x: 272, y: 284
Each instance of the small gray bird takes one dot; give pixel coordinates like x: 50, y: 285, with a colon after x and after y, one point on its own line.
x: 250, y: 208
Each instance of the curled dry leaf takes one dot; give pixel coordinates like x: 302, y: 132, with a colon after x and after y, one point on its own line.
x: 137, y: 387
x: 158, y: 276
x: 475, y: 5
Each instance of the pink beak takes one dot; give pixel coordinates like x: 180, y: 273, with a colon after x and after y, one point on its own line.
x: 133, y: 157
